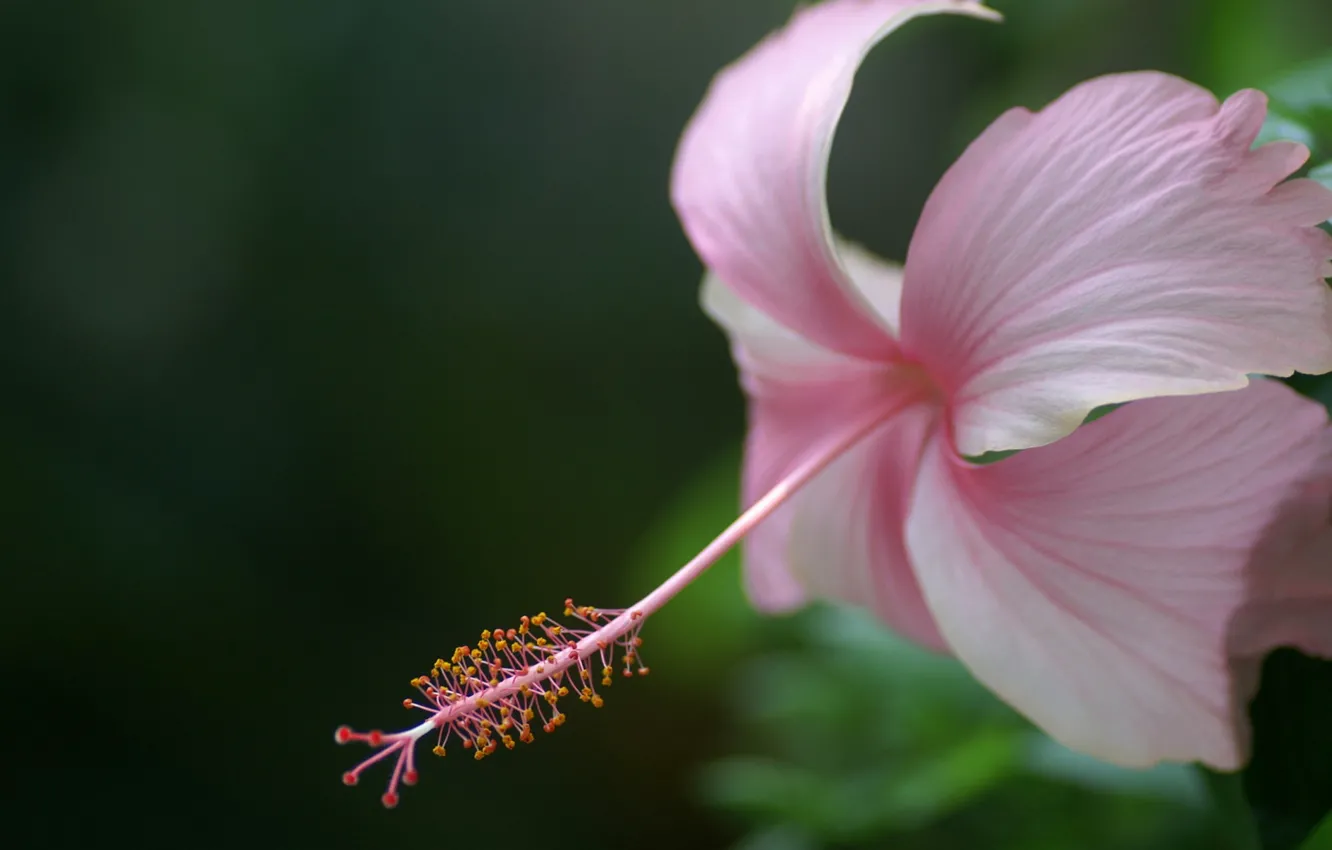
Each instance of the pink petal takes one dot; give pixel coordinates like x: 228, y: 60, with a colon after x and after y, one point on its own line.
x: 847, y: 529
x: 765, y: 351
x: 1290, y: 599
x: 840, y: 537
x: 1094, y: 583
x: 1122, y: 243
x: 749, y: 176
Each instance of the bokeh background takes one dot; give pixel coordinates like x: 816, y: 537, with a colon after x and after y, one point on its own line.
x: 335, y: 330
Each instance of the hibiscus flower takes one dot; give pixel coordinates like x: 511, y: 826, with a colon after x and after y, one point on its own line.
x: 1123, y: 243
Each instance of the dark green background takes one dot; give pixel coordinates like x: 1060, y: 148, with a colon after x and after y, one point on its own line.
x: 335, y: 330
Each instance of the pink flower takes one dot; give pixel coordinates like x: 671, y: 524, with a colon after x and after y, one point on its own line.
x: 1123, y: 243
x: 1115, y: 581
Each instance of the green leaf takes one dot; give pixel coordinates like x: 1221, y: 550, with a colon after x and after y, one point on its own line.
x: 1307, y: 91
x: 778, y: 838
x: 713, y: 612
x: 1279, y: 127
x: 1231, y: 808
x: 1323, y: 174
x: 1300, y: 105
x: 949, y: 779
x: 1175, y: 782
x: 1322, y: 839
x: 1288, y: 782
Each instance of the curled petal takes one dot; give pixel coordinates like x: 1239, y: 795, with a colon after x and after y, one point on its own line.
x: 750, y: 172
x: 1097, y: 583
x: 1125, y: 242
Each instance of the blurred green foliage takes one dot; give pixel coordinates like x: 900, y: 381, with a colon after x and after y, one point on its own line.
x: 1303, y: 98
x: 858, y: 739
x: 1322, y: 173
x: 705, y: 628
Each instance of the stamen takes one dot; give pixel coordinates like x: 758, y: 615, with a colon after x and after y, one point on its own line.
x: 514, y: 678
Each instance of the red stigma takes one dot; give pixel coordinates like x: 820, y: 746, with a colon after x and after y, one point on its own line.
x: 343, y: 734
x: 349, y: 778
x: 410, y: 777
x: 390, y: 800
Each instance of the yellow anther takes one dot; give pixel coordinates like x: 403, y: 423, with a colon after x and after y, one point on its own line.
x: 476, y: 653
x: 607, y: 681
x: 504, y: 712
x: 539, y: 618
x: 563, y: 691
x: 597, y: 702
x: 528, y: 714
x: 439, y: 751
x: 485, y: 634
x: 485, y: 644
x: 555, y: 630
x: 471, y: 671
x: 558, y: 719
x: 541, y: 642
x: 606, y: 671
